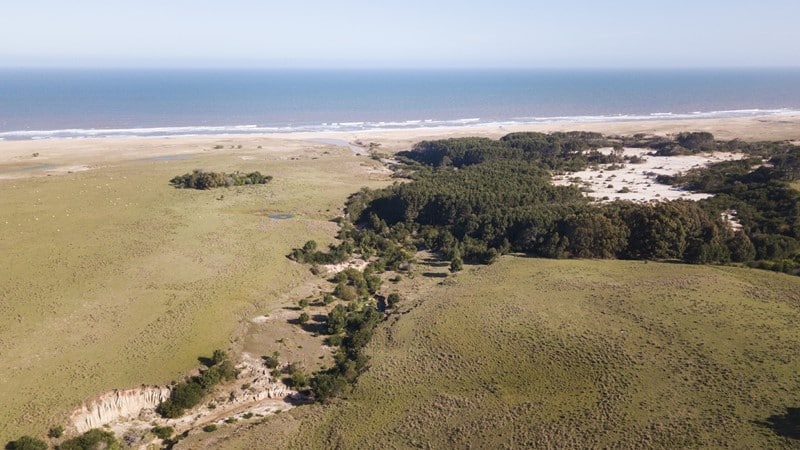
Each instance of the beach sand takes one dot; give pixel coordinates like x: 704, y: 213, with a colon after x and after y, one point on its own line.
x: 54, y: 156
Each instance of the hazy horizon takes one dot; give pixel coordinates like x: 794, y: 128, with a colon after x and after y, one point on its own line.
x: 358, y: 35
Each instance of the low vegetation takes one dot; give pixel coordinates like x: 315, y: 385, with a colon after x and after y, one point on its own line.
x: 531, y: 353
x: 161, y: 276
x: 92, y: 439
x: 187, y: 394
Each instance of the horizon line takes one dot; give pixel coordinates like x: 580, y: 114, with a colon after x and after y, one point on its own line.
x: 392, y: 68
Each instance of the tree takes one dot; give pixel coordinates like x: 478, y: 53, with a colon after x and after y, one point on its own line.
x: 337, y: 320
x: 304, y: 317
x: 327, y: 385
x: 740, y: 247
x: 456, y: 264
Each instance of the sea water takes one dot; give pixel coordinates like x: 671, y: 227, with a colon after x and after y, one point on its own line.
x: 36, y: 104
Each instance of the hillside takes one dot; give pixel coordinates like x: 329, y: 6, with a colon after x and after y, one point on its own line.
x: 574, y: 354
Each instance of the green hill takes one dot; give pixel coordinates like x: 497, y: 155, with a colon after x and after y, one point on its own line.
x: 570, y: 354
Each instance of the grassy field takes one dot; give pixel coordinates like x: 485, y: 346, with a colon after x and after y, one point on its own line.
x: 568, y: 354
x: 111, y: 278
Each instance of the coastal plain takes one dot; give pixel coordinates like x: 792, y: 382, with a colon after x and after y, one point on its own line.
x: 111, y: 278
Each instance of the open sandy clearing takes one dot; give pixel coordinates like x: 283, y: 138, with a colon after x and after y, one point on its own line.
x: 637, y: 182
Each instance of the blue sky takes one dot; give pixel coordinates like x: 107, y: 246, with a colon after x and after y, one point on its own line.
x: 407, y: 34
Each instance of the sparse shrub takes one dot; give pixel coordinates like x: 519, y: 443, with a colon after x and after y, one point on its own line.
x: 272, y: 361
x: 303, y: 303
x: 55, y: 432
x: 164, y: 432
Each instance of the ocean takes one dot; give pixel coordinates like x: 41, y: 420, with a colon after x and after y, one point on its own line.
x: 38, y: 104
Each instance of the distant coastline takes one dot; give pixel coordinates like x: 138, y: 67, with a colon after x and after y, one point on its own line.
x: 422, y: 125
x: 159, y: 103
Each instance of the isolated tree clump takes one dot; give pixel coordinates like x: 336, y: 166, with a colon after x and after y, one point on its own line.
x: 200, y: 179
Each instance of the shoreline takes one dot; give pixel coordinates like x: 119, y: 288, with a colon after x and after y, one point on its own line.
x: 37, y: 157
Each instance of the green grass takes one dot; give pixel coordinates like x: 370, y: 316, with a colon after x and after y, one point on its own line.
x: 111, y: 278
x: 531, y: 353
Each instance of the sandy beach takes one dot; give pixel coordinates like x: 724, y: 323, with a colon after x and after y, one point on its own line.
x: 54, y: 156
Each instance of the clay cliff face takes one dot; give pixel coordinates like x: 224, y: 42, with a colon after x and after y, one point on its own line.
x: 117, y: 404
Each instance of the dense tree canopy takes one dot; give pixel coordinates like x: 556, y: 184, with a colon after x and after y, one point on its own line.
x: 478, y: 198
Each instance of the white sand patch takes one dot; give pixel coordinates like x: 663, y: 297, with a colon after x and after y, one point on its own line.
x: 637, y: 182
x: 355, y: 263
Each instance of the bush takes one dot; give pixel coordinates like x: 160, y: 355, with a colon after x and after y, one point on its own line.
x: 92, y: 439
x: 299, y: 379
x: 345, y: 292
x: 271, y: 361
x: 55, y: 432
x: 27, y: 443
x: 163, y: 432
x: 304, y: 317
x: 392, y: 299
x: 210, y: 428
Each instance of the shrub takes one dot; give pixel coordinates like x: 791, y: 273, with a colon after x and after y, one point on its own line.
x: 304, y: 317
x: 163, y: 432
x: 345, y: 292
x: 27, y: 443
x: 271, y: 361
x: 299, y: 379
x: 55, y: 432
x: 210, y: 428
x: 392, y: 299
x: 92, y: 439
